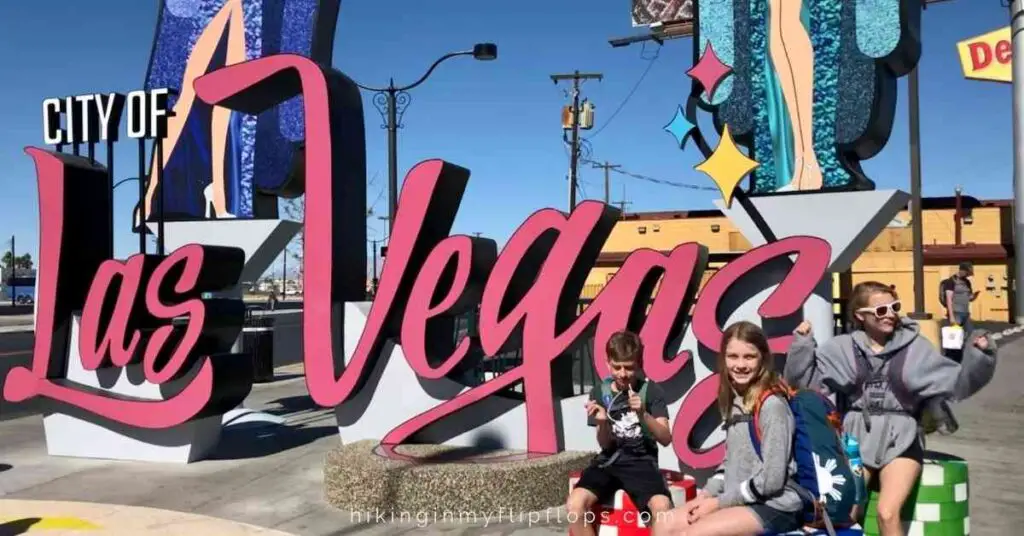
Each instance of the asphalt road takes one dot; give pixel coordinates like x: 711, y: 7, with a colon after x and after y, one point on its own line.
x: 16, y: 350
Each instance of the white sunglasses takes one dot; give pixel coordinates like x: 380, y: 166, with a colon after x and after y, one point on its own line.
x: 881, y: 311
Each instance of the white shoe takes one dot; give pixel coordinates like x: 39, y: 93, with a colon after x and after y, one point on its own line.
x: 787, y: 188
x: 208, y: 194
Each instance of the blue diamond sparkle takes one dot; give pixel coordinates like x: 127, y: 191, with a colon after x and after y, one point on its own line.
x: 680, y: 127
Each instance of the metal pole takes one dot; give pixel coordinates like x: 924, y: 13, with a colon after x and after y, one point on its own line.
x: 915, y: 195
x: 14, y: 271
x: 1016, y: 27
x: 160, y: 196
x: 284, y: 274
x: 373, y: 286
x: 110, y: 194
x: 958, y: 215
x: 142, y: 196
x: 392, y: 156
x: 607, y: 182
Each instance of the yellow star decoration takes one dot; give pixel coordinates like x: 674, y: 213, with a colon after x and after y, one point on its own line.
x: 727, y: 166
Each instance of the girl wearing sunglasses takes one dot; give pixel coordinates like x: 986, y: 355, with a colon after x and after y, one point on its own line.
x: 884, y: 375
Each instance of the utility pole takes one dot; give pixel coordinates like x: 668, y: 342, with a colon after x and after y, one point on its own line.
x: 576, y: 78
x: 607, y: 179
x: 622, y: 202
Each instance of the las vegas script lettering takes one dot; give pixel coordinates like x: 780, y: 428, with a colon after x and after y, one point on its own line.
x: 527, y: 294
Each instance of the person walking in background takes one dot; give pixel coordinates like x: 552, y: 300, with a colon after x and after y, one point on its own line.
x: 886, y: 375
x: 272, y: 299
x: 957, y: 294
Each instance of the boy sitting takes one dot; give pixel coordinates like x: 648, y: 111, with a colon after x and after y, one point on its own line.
x: 627, y: 427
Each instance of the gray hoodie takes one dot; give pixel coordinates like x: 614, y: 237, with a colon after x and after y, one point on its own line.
x: 926, y: 376
x: 743, y: 478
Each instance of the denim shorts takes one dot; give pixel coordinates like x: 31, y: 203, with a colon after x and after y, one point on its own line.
x: 776, y: 521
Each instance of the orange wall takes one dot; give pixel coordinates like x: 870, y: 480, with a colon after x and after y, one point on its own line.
x: 888, y: 258
x: 667, y: 234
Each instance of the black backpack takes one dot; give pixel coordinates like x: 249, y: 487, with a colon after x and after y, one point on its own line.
x: 944, y: 285
x: 947, y: 284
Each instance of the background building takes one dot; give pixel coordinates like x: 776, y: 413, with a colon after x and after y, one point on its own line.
x: 978, y: 231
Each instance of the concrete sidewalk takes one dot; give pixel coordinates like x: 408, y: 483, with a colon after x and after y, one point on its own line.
x: 265, y: 475
x: 18, y: 516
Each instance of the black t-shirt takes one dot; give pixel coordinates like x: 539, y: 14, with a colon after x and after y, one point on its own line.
x: 626, y: 429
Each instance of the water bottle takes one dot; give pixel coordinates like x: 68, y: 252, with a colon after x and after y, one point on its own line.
x: 856, y: 467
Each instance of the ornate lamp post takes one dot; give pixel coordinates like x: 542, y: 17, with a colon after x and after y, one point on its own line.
x: 391, y: 102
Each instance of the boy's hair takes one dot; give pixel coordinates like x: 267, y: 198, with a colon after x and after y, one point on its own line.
x: 625, y: 346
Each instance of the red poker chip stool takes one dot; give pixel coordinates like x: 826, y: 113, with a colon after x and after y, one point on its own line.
x: 620, y: 517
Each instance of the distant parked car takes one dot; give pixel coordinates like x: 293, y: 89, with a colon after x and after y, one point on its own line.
x: 24, y: 300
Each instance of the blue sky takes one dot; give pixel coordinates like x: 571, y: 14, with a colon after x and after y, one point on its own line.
x: 500, y: 119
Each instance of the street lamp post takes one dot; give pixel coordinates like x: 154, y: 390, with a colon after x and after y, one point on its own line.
x: 373, y: 282
x: 122, y: 181
x: 142, y: 197
x: 391, y: 102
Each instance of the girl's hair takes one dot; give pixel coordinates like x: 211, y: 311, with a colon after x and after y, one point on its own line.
x: 861, y: 295
x: 766, y: 377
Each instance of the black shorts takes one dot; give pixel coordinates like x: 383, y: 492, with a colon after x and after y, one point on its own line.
x: 914, y: 452
x: 639, y: 478
x: 776, y: 521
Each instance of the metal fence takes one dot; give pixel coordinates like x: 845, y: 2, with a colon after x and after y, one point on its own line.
x: 481, y: 368
x: 582, y: 375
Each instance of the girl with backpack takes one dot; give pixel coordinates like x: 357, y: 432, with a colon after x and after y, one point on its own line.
x: 884, y: 375
x: 751, y: 492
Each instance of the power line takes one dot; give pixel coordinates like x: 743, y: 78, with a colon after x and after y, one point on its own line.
x: 650, y: 63
x: 665, y: 182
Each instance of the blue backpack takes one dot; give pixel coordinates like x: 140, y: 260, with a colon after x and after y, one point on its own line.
x: 823, y: 472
